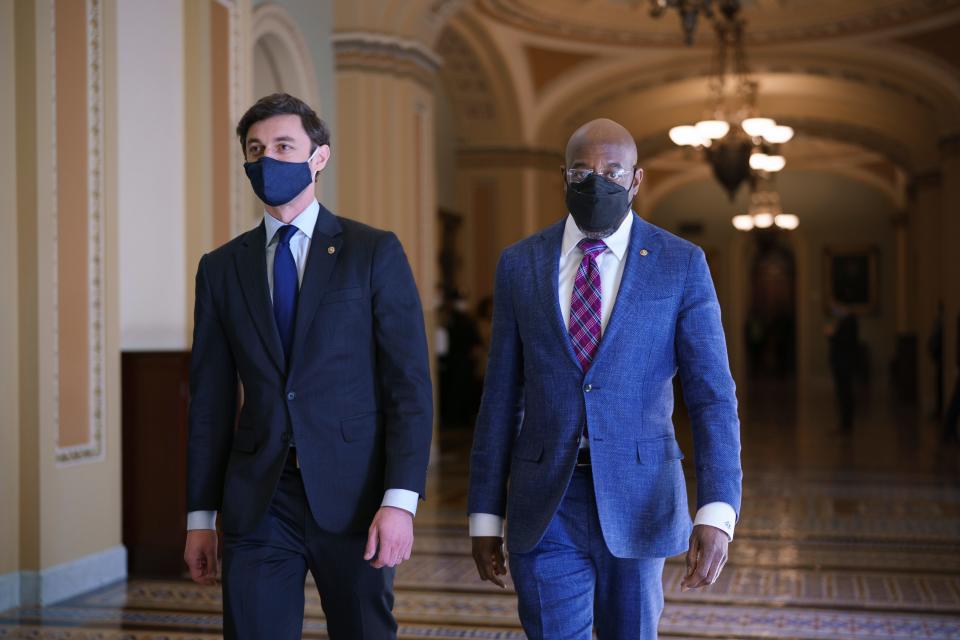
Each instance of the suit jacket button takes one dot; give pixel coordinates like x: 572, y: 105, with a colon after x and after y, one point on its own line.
x: 588, y: 388
x: 291, y: 396
x: 286, y: 436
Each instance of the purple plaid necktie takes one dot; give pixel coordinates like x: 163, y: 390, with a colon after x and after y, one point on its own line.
x: 585, y: 304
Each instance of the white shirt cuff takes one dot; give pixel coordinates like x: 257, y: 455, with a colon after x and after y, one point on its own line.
x: 401, y: 499
x: 486, y: 525
x: 719, y: 515
x: 201, y: 520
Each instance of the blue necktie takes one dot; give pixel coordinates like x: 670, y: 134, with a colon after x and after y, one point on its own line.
x: 286, y: 288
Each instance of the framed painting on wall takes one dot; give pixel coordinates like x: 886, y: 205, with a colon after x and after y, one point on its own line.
x: 851, y: 278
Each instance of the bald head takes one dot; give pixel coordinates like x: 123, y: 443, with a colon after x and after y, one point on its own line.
x: 602, y: 138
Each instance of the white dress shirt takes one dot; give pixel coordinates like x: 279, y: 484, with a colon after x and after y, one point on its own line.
x: 305, y: 222
x: 610, y: 264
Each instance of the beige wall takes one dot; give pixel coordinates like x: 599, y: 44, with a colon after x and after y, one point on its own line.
x: 53, y: 512
x: 73, y: 509
x: 9, y: 378
x: 151, y: 176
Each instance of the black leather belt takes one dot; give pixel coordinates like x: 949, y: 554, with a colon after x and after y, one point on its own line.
x: 583, y: 457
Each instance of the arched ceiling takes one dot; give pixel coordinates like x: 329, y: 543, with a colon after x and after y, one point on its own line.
x: 628, y: 22
x: 674, y: 168
x: 872, y: 86
x: 884, y: 76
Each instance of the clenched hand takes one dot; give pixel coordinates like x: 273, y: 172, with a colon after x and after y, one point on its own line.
x: 200, y: 555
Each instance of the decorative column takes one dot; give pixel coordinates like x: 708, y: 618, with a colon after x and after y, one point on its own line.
x: 65, y: 445
x: 905, y: 358
x: 384, y: 145
x: 949, y: 238
x: 925, y: 214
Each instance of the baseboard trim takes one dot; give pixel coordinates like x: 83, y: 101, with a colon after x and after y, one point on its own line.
x: 63, y: 581
x: 9, y: 590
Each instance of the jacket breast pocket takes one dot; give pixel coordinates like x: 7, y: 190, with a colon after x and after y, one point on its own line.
x: 342, y: 295
x: 362, y: 427
x: 657, y: 450
x: 245, y: 440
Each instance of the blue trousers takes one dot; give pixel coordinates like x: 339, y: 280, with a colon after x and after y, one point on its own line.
x: 264, y: 572
x: 570, y: 583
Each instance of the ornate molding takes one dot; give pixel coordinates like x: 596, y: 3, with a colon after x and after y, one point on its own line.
x: 634, y: 28
x: 380, y: 53
x: 274, y: 20
x: 95, y: 448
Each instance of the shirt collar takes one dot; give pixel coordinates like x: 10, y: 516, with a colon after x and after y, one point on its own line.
x: 616, y: 243
x: 305, y: 221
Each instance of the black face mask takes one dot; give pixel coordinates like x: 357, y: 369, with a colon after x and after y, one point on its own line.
x: 597, y: 205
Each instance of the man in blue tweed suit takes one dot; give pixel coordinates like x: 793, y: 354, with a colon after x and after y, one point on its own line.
x: 574, y: 444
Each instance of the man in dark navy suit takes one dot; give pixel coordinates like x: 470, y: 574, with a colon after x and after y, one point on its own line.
x: 318, y: 318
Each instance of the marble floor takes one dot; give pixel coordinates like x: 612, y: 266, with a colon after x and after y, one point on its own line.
x: 842, y: 536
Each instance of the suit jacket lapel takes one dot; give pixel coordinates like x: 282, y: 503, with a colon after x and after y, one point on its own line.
x: 638, y: 273
x: 316, y: 273
x: 251, y: 264
x: 548, y: 278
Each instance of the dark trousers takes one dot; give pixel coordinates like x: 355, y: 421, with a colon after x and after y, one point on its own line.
x: 570, y: 583
x: 264, y: 572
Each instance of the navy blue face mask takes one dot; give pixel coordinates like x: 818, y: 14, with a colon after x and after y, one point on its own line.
x: 276, y: 182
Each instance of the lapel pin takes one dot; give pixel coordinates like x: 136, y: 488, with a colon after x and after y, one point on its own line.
x: 643, y: 252
x: 331, y: 250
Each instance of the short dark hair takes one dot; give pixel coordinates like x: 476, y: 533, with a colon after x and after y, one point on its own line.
x: 279, y: 104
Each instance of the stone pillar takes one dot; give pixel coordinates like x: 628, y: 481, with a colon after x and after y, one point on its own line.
x: 950, y: 266
x: 925, y: 214
x: 384, y: 148
x: 905, y: 358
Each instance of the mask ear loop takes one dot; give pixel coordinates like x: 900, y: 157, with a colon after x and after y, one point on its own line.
x: 310, y: 159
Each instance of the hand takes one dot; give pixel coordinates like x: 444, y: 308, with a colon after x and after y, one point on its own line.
x: 488, y: 555
x: 392, y: 534
x: 201, y: 556
x: 705, y: 558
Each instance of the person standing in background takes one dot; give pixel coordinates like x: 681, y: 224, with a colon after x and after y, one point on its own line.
x: 952, y: 416
x: 844, y: 345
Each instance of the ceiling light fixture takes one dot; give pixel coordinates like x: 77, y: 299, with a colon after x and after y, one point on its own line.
x: 738, y: 143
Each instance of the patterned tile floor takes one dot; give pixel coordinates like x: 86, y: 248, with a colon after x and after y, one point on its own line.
x: 842, y: 537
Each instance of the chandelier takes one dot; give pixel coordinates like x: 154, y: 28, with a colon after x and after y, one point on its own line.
x: 738, y: 143
x: 765, y: 211
x: 690, y: 11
